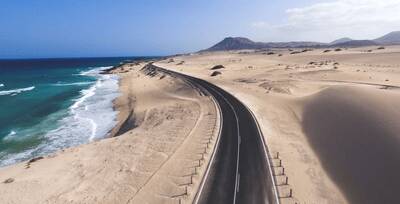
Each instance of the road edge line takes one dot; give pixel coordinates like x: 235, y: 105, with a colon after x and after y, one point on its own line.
x: 267, y: 154
x: 211, y: 161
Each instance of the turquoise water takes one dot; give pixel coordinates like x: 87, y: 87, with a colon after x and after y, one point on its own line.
x: 50, y: 104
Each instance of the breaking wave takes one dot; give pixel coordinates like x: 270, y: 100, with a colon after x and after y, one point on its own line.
x: 16, y: 91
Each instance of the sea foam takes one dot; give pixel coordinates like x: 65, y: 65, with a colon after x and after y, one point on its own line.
x: 73, y: 84
x: 16, y: 91
x: 10, y: 135
x: 91, y: 117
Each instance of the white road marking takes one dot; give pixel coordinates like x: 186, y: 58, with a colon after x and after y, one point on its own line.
x: 239, y: 141
x: 200, y: 191
x: 238, y: 183
x: 267, y: 155
x: 238, y: 131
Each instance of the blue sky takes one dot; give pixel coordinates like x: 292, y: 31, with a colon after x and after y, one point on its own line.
x: 79, y: 28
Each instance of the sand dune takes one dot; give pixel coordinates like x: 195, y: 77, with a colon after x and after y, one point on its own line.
x: 331, y: 116
x: 355, y: 132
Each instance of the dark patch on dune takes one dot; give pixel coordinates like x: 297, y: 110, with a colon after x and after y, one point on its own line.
x: 357, y: 145
x: 9, y: 180
x: 28, y: 164
x: 249, y: 80
x: 217, y: 67
x: 317, y: 72
x: 150, y: 70
x: 216, y: 73
x: 127, y: 125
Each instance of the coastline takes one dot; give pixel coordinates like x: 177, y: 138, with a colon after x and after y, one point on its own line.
x: 160, y: 156
x: 96, y: 103
x: 154, y: 147
x: 124, y: 103
x: 73, y: 107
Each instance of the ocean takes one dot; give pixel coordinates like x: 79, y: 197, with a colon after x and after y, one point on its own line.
x: 50, y: 104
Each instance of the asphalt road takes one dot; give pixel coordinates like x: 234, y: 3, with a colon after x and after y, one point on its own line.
x: 239, y: 172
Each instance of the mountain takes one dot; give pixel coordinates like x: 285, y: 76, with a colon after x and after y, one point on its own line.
x: 391, y: 38
x: 239, y: 43
x: 356, y: 43
x: 295, y: 44
x: 341, y: 40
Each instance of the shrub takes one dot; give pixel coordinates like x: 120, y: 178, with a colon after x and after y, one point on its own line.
x: 217, y: 67
x: 215, y: 73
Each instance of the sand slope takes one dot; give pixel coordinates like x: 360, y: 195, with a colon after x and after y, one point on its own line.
x: 355, y: 131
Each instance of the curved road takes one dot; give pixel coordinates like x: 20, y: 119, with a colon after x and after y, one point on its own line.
x: 239, y: 171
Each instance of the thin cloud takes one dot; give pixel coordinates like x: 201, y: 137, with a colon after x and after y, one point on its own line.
x: 361, y: 19
x: 260, y: 24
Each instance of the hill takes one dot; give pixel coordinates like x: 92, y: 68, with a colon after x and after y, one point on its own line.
x: 341, y: 40
x: 391, y: 38
x: 356, y: 43
x: 240, y: 43
x: 237, y: 43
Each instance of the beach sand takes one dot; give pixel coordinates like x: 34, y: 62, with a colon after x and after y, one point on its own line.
x: 158, y: 155
x: 332, y: 116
